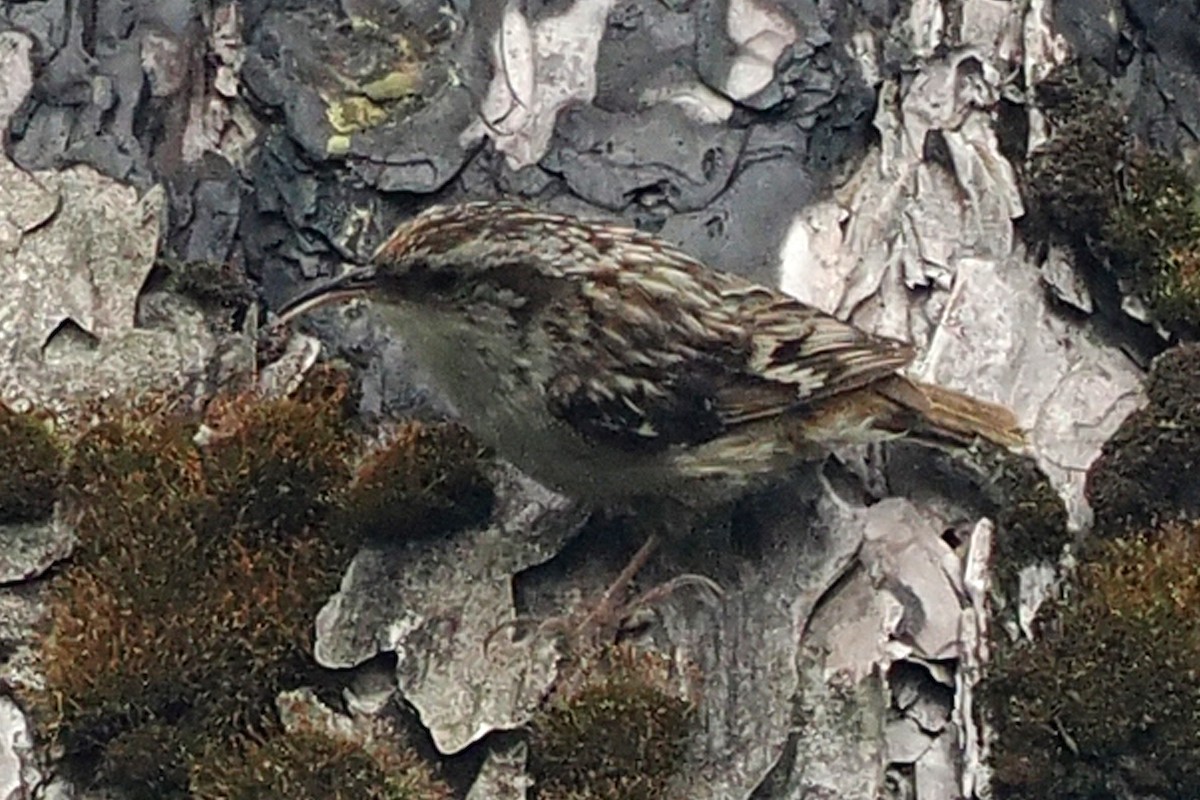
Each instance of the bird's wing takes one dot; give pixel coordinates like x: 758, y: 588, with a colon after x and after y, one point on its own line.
x: 637, y: 365
x: 798, y: 356
x: 675, y: 353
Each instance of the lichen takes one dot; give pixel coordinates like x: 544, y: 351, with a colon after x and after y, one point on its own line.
x: 1149, y: 471
x: 1107, y: 695
x: 619, y: 732
x: 429, y: 479
x: 32, y: 459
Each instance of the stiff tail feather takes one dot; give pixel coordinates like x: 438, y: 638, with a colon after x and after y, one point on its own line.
x: 949, y: 417
x: 897, y: 407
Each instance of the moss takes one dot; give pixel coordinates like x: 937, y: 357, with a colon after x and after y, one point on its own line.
x: 130, y: 480
x: 149, y: 762
x: 1029, y: 515
x: 271, y: 465
x: 1031, y: 519
x: 312, y: 765
x: 1135, y: 210
x: 619, y: 733
x: 210, y: 283
x: 430, y: 478
x: 206, y: 550
x: 1109, y: 694
x: 1149, y: 471
x: 33, y: 462
x: 1072, y: 179
x: 183, y: 615
x: 1152, y: 238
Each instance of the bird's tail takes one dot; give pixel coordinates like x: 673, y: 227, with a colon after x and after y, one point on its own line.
x: 942, y: 416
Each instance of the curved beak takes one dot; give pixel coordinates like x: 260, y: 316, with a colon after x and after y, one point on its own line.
x: 351, y: 283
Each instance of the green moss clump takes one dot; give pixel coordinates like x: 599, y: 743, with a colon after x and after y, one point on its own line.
x: 620, y: 733
x: 429, y: 479
x: 314, y: 766
x: 32, y: 467
x: 1149, y: 471
x: 1109, y: 693
x: 1031, y: 518
x: 1072, y: 178
x: 1152, y: 238
x: 1135, y: 210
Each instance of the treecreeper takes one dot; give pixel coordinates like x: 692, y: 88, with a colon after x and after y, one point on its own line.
x: 611, y: 366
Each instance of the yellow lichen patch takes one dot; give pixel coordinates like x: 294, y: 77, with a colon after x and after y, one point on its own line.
x: 380, y: 80
x: 395, y: 85
x: 428, y: 479
x: 354, y: 114
x: 619, y: 731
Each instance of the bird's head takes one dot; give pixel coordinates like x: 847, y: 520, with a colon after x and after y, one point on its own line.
x: 457, y: 259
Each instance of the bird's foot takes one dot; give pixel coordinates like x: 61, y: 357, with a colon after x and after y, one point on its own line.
x: 598, y: 626
x: 602, y: 623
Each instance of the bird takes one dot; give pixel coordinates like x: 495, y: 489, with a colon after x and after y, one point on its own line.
x: 611, y: 366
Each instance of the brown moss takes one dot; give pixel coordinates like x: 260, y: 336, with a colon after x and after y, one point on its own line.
x: 32, y: 467
x: 149, y: 762
x: 133, y: 482
x: 313, y: 766
x: 109, y: 661
x: 429, y: 479
x: 180, y: 614
x: 620, y: 732
x: 1149, y: 471
x: 1108, y: 694
x: 271, y: 465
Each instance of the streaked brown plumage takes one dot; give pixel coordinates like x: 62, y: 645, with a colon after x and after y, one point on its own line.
x: 608, y: 363
x: 612, y: 366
